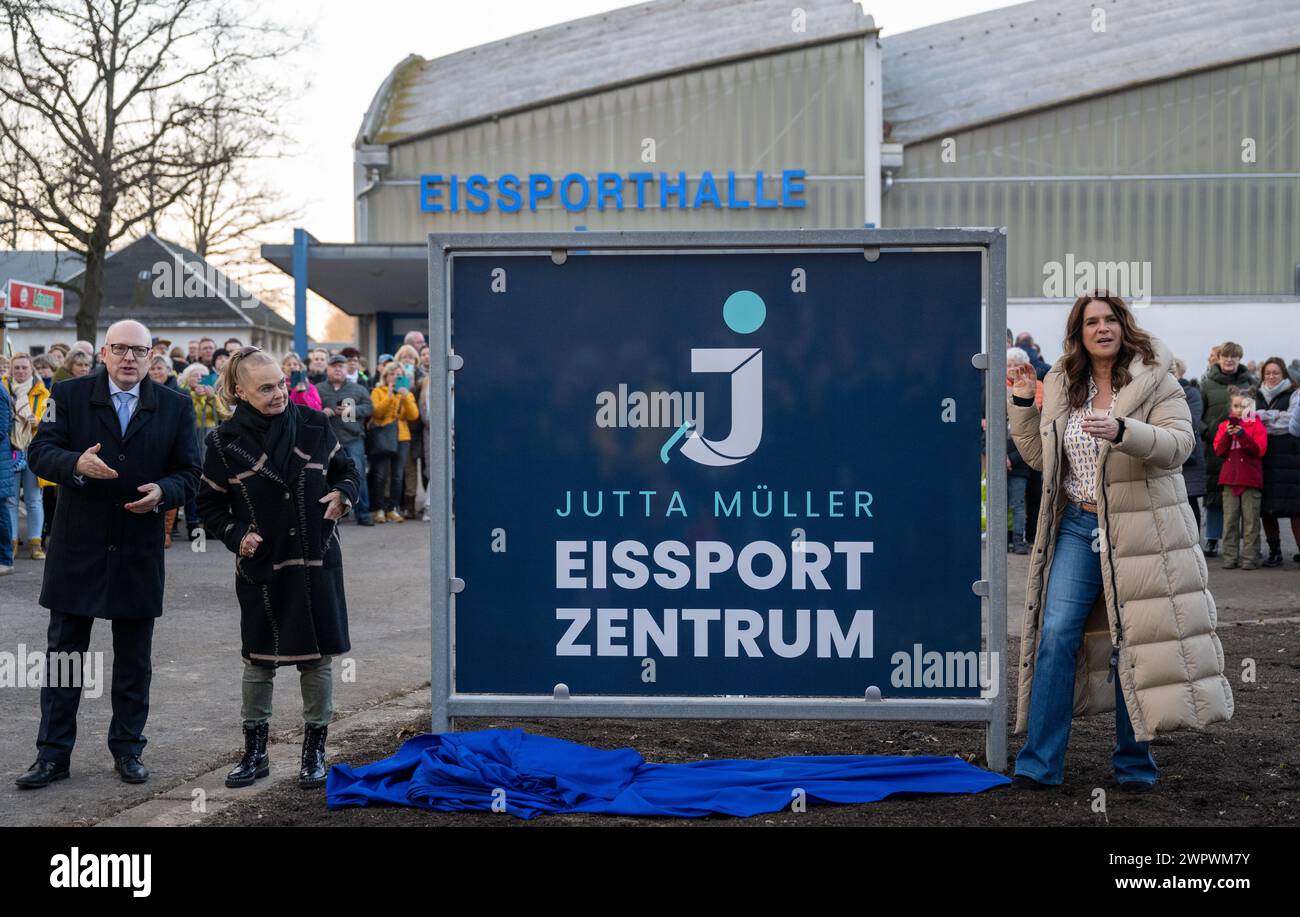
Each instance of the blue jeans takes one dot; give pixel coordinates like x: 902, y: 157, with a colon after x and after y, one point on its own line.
x: 1214, y: 522
x: 1016, y: 500
x: 192, y: 504
x: 6, y: 536
x: 1072, y: 586
x: 25, y: 483
x: 356, y: 450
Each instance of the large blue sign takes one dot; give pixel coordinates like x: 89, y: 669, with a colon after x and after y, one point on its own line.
x: 575, y: 192
x: 718, y: 473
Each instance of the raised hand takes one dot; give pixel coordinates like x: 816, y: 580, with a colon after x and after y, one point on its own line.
x: 90, y: 465
x: 1024, y: 380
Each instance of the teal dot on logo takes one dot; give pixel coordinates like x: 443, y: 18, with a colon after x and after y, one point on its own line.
x: 744, y: 311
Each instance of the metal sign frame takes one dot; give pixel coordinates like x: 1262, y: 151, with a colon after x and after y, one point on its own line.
x: 448, y: 704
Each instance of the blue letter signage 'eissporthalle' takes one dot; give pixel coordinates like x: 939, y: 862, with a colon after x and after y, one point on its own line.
x: 575, y: 192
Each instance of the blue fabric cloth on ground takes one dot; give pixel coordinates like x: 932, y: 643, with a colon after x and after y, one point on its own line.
x: 468, y: 771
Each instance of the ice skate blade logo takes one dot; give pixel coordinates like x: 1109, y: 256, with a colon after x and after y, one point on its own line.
x: 744, y: 313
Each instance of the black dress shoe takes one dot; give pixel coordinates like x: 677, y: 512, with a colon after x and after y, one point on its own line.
x: 42, y: 773
x: 131, y: 770
x: 1025, y: 782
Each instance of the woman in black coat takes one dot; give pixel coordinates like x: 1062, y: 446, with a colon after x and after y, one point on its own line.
x: 1194, y: 467
x: 1276, y: 400
x: 275, y: 482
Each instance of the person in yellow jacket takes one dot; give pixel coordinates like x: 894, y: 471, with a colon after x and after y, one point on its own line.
x: 393, y: 403
x: 28, y: 395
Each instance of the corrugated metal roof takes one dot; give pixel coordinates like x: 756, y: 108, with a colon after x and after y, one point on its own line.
x: 586, y: 55
x: 993, y: 65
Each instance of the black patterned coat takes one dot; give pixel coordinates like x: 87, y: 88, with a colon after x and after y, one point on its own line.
x: 291, y: 599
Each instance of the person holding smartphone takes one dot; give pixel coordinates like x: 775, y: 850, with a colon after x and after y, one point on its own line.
x: 409, y: 359
x: 1118, y: 613
x: 1241, y: 442
x: 301, y: 391
x: 393, y: 403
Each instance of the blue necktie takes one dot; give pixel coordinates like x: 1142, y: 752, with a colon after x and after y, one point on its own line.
x: 123, y: 409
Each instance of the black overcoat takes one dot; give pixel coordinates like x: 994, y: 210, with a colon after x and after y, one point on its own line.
x: 1281, y: 461
x: 291, y: 599
x: 105, y: 561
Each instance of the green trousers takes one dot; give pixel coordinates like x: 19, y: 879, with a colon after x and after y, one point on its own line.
x: 317, y: 680
x: 1241, y: 515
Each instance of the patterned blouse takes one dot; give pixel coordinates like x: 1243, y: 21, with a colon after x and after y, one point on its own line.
x: 1081, y: 450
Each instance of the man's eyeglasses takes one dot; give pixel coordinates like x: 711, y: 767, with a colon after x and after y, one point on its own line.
x: 119, y: 350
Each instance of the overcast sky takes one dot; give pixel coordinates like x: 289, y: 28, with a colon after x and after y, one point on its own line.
x: 355, y: 45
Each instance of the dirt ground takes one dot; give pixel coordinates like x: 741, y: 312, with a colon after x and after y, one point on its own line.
x: 1245, y: 772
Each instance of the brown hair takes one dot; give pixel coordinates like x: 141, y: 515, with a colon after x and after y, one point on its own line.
x: 1240, y: 391
x: 1133, y: 342
x: 1231, y: 349
x: 1280, y: 365
x: 253, y: 356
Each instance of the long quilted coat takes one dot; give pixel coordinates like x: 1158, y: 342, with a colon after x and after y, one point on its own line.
x: 1155, y: 615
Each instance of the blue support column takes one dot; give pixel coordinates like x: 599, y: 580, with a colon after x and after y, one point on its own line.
x: 301, y: 240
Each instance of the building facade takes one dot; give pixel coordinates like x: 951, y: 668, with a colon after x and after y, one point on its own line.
x: 710, y: 114
x: 1147, y: 145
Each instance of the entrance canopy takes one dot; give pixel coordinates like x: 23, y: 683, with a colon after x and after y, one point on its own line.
x: 361, y: 279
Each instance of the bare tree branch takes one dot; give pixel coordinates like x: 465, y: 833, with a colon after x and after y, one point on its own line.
x: 104, y: 110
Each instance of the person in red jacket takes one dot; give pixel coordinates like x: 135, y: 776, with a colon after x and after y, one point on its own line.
x: 1241, y: 442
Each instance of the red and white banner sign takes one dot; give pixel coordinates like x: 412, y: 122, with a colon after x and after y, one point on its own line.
x: 31, y: 300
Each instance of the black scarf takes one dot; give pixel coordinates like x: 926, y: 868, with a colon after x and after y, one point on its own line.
x: 277, y: 433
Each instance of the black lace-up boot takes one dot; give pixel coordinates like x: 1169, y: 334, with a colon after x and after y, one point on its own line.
x: 255, y: 763
x: 312, y: 773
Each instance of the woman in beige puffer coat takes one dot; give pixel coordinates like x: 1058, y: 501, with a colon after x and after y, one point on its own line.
x: 1143, y: 643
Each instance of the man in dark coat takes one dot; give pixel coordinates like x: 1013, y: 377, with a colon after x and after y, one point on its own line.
x: 348, y: 406
x: 122, y: 450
